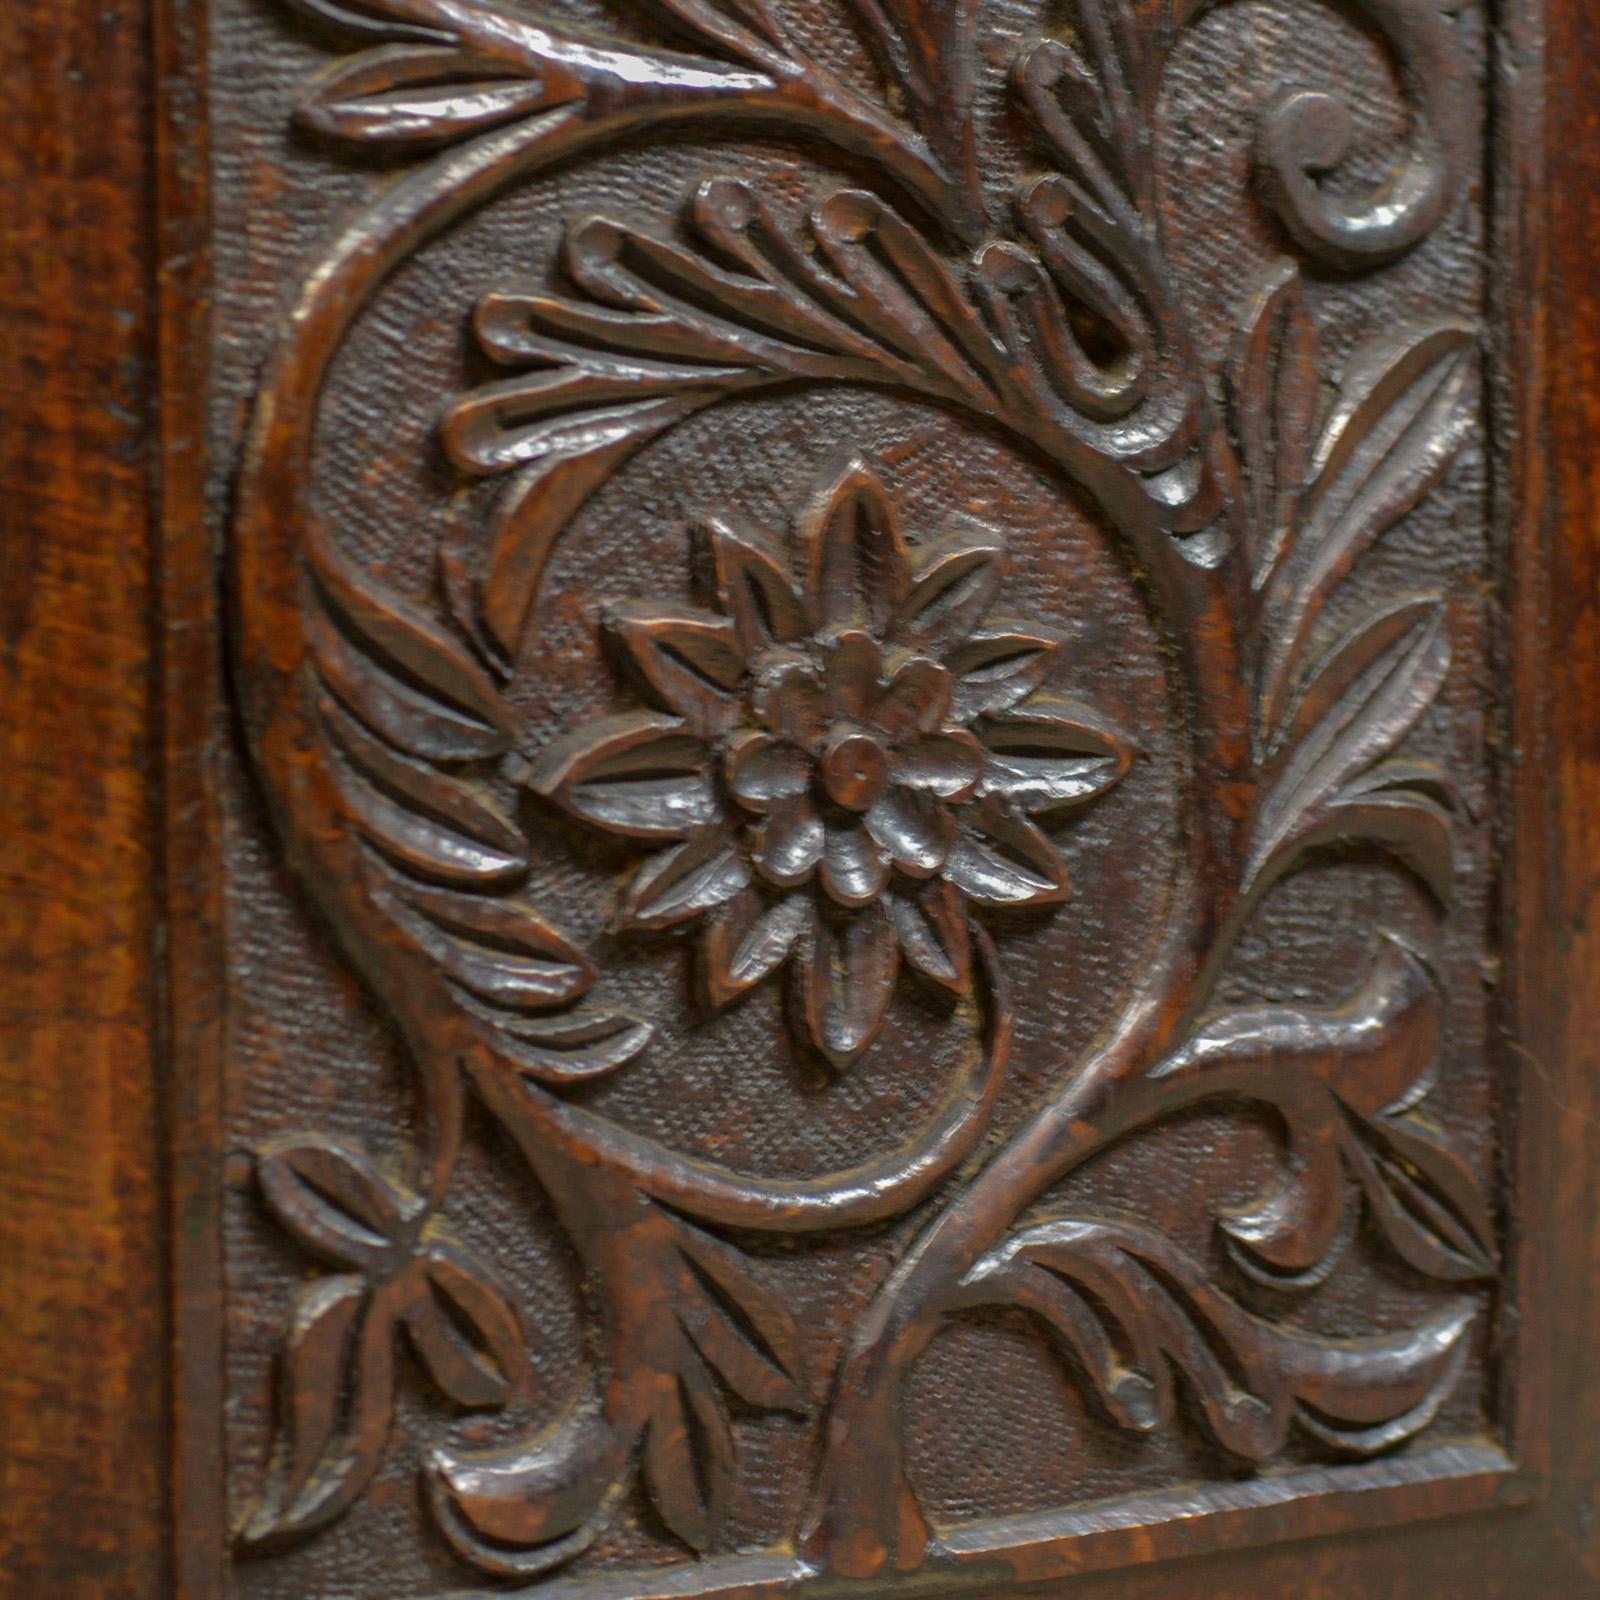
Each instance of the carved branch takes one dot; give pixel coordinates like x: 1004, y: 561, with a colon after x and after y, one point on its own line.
x: 459, y: 67
x: 380, y: 741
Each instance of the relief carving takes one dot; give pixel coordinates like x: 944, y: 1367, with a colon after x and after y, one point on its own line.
x: 852, y: 719
x: 853, y: 759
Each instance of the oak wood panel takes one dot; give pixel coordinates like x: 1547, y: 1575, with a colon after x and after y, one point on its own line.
x: 877, y: 694
x: 1504, y: 1506
x: 84, y: 1502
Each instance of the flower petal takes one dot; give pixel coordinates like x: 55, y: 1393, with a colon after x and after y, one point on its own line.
x: 917, y: 699
x: 858, y: 569
x: 847, y: 981
x: 793, y: 704
x: 915, y: 828
x: 947, y: 764
x: 640, y: 775
x: 854, y: 868
x: 788, y: 845
x: 691, y: 664
x: 998, y: 666
x: 1002, y: 859
x: 854, y: 667
x: 956, y: 579
x: 1051, y: 753
x: 746, y: 940
x: 754, y: 587
x: 683, y: 882
x: 934, y: 934
x: 765, y: 773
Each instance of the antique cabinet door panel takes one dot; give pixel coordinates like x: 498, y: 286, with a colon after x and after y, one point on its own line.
x: 878, y: 736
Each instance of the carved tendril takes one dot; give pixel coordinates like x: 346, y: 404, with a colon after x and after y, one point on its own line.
x: 1063, y: 333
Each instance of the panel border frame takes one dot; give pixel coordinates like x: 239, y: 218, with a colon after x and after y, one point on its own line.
x: 1538, y: 815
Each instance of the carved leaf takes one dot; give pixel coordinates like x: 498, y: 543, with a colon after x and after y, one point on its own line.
x: 412, y: 721
x: 585, y: 404
x: 1088, y: 312
x: 1365, y: 646
x: 337, y: 1386
x: 931, y: 924
x: 1414, y: 829
x: 1094, y: 115
x: 674, y: 327
x: 1402, y: 416
x: 691, y: 664
x: 417, y: 94
x: 747, y: 940
x: 1002, y: 859
x: 1424, y: 1199
x: 689, y: 1457
x: 640, y: 775
x: 955, y: 580
x: 1294, y: 1236
x: 333, y: 1200
x: 684, y: 882
x: 746, y: 1334
x: 1252, y: 1379
x: 1373, y: 689
x: 464, y: 1328
x: 404, y: 643
x: 1376, y: 1052
x: 928, y: 48
x: 428, y: 821
x: 904, y: 291
x: 857, y: 564
x: 560, y: 468
x: 1273, y: 391
x: 576, y: 65
x: 501, y: 950
x: 1050, y: 753
x: 998, y: 665
x: 447, y: 864
x: 314, y: 1361
x: 575, y: 1047
x: 754, y: 587
x: 1086, y: 1339
x: 847, y: 980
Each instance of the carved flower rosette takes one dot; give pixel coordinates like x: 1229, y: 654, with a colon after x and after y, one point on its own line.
x: 847, y: 756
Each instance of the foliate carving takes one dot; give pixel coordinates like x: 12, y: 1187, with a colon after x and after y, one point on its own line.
x: 851, y: 757
x: 853, y: 753
x: 399, y: 1273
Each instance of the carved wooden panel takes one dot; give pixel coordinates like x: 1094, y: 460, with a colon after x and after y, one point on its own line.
x: 858, y: 811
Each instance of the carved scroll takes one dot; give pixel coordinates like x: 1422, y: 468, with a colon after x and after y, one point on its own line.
x: 853, y: 761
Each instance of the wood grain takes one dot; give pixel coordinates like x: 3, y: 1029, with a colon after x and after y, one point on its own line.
x: 83, y: 1340
x: 188, y: 1065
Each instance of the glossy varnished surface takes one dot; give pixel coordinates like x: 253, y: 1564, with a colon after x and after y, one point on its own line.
x: 832, y: 751
x: 757, y: 1246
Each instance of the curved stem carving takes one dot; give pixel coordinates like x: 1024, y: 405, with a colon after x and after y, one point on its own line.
x: 865, y: 1516
x: 308, y: 744
x: 1305, y: 134
x: 384, y: 747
